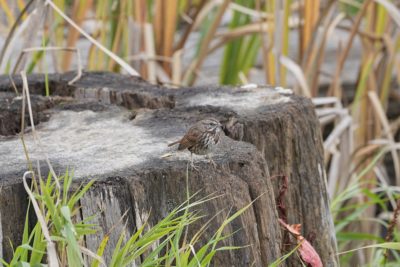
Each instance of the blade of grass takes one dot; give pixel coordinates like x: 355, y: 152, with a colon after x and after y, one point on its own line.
x: 387, y: 245
x: 191, y: 73
x: 385, y: 124
x: 36, y: 137
x: 51, y: 250
x: 298, y: 74
x: 123, y: 64
x: 13, y: 34
x: 345, y: 53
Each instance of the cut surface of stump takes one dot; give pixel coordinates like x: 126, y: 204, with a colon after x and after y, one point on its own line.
x: 117, y: 129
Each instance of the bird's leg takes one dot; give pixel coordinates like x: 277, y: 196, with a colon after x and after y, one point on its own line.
x: 211, y: 161
x: 191, y: 162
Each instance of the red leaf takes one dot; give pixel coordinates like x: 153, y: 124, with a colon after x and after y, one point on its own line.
x: 307, y: 252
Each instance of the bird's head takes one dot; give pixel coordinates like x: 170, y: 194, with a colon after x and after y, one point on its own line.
x: 212, y: 125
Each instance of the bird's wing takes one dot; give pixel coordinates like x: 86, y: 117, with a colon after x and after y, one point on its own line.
x: 217, y: 136
x: 190, y: 138
x: 174, y: 143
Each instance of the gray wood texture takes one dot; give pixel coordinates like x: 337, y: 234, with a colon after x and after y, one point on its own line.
x: 116, y: 129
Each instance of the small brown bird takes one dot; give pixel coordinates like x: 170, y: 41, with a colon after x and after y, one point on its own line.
x: 201, y: 138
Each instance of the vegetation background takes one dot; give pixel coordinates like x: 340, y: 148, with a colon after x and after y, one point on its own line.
x: 344, y: 54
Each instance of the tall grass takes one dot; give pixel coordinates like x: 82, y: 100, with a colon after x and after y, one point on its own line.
x: 59, y: 235
x: 240, y: 54
x: 152, y: 38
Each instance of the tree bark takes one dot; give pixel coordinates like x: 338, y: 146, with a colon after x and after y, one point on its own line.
x: 116, y: 128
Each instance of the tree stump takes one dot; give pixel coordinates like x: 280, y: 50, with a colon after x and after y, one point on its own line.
x: 116, y: 129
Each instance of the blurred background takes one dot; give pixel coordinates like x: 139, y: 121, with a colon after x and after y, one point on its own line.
x: 344, y: 54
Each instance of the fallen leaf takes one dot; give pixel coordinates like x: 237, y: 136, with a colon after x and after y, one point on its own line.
x: 307, y: 251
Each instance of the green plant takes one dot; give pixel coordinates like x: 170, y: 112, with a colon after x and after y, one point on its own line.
x: 55, y: 209
x: 350, y: 210
x: 154, y: 38
x: 239, y: 54
x: 59, y: 234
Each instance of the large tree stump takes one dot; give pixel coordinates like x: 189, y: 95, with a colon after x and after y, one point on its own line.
x: 116, y: 128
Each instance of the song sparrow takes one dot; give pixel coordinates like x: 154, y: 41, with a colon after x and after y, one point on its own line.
x: 200, y: 138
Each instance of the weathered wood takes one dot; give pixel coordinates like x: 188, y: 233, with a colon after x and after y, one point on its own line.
x: 110, y: 201
x: 291, y: 142
x: 13, y: 207
x: 240, y: 177
x: 90, y: 130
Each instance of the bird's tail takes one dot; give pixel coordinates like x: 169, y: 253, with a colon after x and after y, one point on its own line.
x: 174, y: 143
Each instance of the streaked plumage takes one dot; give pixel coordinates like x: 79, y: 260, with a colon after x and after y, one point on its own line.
x: 201, y: 137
